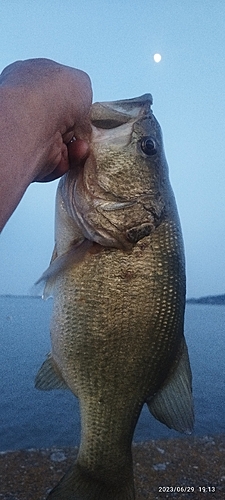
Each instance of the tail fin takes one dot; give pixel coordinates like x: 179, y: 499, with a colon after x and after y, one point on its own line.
x: 79, y: 484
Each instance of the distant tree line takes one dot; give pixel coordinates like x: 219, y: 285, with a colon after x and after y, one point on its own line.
x: 217, y: 300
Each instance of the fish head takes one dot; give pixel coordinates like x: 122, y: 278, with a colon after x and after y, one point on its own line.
x: 120, y: 195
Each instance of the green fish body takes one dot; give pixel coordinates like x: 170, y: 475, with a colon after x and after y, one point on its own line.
x: 118, y: 280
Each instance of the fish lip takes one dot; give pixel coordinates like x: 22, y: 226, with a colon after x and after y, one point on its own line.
x: 120, y: 112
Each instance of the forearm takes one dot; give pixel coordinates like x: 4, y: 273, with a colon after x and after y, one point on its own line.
x: 43, y: 104
x: 17, y: 163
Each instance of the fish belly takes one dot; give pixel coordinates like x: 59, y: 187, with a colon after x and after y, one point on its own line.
x: 116, y: 331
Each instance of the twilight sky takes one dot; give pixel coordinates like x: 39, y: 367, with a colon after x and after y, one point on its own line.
x: 114, y: 42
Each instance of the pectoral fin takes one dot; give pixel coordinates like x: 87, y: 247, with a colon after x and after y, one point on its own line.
x: 49, y: 376
x: 173, y: 404
x: 61, y: 263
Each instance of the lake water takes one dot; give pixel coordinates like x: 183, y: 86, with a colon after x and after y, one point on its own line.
x: 32, y: 419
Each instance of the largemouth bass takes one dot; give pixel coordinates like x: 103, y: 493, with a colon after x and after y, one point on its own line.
x: 118, y: 280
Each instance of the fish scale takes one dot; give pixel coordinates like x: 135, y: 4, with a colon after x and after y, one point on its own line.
x: 108, y: 319
x: 117, y: 326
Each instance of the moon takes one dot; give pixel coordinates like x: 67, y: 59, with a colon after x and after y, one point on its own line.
x: 157, y: 58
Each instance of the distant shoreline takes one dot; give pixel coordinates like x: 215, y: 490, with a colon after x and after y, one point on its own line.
x: 212, y: 300
x: 11, y: 296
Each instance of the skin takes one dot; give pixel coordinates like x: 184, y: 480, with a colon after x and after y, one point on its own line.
x: 43, y: 106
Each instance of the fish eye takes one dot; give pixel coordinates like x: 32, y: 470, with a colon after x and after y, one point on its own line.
x: 148, y: 146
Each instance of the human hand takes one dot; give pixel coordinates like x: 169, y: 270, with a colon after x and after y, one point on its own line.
x: 48, y: 105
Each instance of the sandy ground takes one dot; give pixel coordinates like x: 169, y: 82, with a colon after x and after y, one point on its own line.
x: 172, y: 468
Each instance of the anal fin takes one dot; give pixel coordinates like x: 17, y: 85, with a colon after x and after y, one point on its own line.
x: 49, y: 376
x: 173, y: 403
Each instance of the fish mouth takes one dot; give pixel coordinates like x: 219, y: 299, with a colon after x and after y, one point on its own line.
x: 112, y: 114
